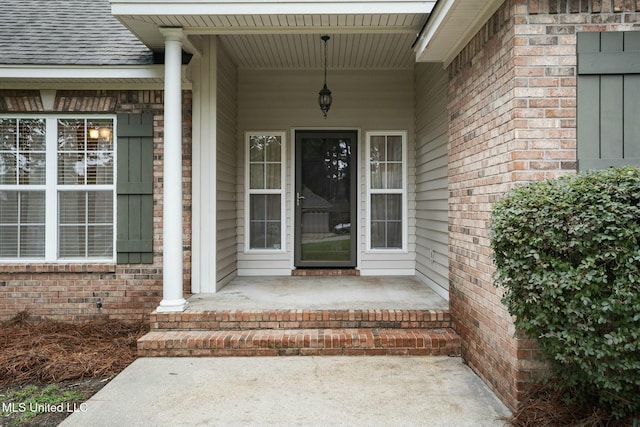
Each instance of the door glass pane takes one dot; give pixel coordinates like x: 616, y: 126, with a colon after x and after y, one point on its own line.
x: 325, y: 204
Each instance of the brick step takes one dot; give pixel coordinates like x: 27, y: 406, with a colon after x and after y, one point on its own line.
x: 301, y: 319
x: 302, y: 342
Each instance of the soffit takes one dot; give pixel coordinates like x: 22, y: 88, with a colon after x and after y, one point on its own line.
x: 306, y: 51
x: 451, y: 26
x: 380, y: 37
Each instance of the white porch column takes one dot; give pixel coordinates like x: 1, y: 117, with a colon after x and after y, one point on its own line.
x: 172, y: 255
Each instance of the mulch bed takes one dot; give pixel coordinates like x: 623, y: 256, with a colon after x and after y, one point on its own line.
x: 46, y: 351
x: 545, y: 406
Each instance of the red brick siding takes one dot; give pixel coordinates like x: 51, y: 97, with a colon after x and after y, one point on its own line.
x: 71, y: 291
x: 512, y: 110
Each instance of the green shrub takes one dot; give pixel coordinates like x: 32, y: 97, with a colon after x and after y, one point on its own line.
x: 567, y: 253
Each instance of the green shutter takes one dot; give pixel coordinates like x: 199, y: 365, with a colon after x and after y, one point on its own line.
x: 135, y: 189
x: 608, y: 99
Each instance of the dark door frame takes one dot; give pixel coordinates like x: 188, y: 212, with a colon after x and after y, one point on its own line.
x: 332, y: 133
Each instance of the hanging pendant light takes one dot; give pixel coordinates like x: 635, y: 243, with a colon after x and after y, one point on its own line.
x: 324, y: 96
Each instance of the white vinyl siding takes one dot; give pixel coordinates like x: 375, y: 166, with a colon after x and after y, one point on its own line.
x: 226, y: 167
x: 432, y: 252
x: 363, y: 100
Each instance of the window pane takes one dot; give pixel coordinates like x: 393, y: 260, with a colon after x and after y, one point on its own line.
x: 7, y: 168
x: 257, y: 146
x: 32, y: 241
x: 99, y: 168
x: 99, y: 157
x: 85, y: 224
x: 394, y: 235
x: 22, y: 151
x: 394, y: 175
x: 71, y: 168
x: 8, y: 241
x: 72, y: 207
x: 257, y: 207
x: 393, y: 207
x: 273, y: 235
x: 258, y: 235
x: 378, y: 237
x: 386, y: 221
x: 100, y: 208
x: 22, y: 219
x: 378, y: 207
x: 71, y: 135
x: 256, y: 176
x: 32, y: 207
x: 72, y: 241
x: 394, y: 148
x: 273, y: 207
x: 8, y: 151
x: 265, y: 226
x: 377, y: 175
x: 274, y: 149
x: 378, y: 149
x: 100, y: 241
x: 8, y: 207
x: 273, y: 176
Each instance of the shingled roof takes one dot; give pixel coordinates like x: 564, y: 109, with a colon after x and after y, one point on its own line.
x: 66, y: 32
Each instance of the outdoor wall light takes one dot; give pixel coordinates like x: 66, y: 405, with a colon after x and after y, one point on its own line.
x: 324, y: 96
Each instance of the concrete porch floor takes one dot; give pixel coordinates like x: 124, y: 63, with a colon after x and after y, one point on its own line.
x: 322, y: 293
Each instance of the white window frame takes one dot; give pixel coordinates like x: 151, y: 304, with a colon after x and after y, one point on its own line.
x: 402, y: 191
x: 249, y: 191
x: 52, y: 189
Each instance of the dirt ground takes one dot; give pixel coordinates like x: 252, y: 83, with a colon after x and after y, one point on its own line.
x: 49, y: 368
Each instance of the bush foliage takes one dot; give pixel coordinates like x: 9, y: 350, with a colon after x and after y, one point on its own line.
x: 567, y: 253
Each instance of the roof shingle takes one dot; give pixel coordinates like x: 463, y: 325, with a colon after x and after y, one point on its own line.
x: 66, y: 32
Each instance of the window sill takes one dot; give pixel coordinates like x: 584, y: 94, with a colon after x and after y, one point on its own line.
x: 13, y: 267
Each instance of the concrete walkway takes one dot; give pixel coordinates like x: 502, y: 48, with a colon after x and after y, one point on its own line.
x: 293, y: 391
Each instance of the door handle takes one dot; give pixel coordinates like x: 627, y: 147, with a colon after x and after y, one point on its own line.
x: 298, y: 198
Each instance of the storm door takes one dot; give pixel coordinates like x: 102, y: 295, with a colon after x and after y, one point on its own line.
x: 325, y: 199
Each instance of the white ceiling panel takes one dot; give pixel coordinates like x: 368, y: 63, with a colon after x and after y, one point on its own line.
x: 370, y: 40
x: 344, y: 51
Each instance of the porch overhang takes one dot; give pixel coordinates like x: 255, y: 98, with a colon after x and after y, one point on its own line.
x: 450, y: 27
x: 284, y: 34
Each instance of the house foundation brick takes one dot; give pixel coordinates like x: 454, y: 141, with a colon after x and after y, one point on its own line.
x: 69, y: 292
x: 512, y: 109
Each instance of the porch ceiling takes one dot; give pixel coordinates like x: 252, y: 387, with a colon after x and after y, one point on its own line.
x: 286, y: 34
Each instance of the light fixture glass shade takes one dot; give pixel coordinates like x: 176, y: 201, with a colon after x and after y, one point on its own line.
x: 324, y: 100
x: 105, y: 133
x: 94, y: 133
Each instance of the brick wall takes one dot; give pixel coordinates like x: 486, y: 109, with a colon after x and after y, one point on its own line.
x: 512, y: 110
x: 70, y: 291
